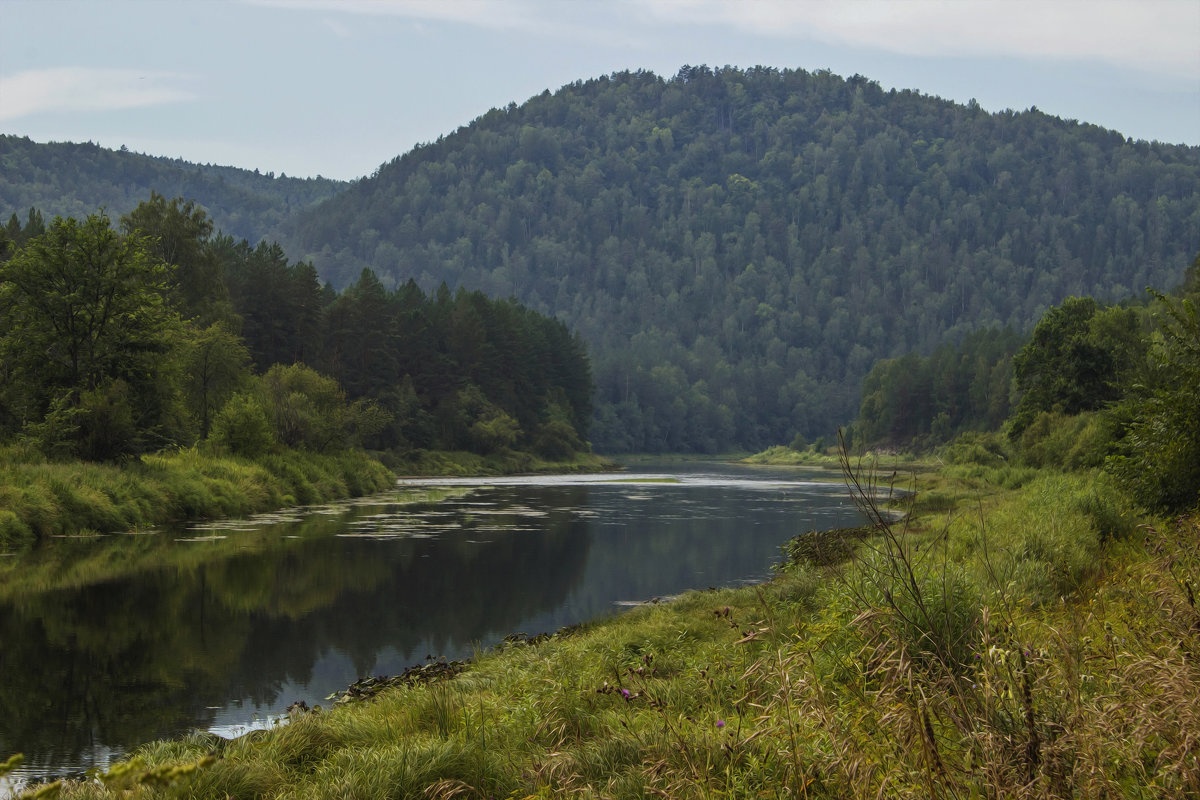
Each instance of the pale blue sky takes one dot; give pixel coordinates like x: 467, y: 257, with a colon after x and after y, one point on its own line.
x: 337, y: 87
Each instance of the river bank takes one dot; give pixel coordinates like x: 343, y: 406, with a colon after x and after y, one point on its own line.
x: 40, y: 498
x: 1013, y: 634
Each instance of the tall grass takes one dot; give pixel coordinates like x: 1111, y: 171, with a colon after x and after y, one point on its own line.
x: 39, y: 498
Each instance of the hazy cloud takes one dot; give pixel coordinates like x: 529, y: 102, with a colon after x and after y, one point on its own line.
x: 495, y: 14
x: 338, y: 29
x: 84, y: 89
x: 1153, y: 35
x: 1158, y: 36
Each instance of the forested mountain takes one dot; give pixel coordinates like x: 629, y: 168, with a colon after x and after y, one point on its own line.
x: 73, y: 180
x: 738, y: 247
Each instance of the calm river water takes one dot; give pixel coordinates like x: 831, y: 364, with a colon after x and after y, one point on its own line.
x: 109, y: 642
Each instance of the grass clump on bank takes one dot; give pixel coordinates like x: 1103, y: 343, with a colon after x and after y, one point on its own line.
x: 461, y: 463
x: 1036, y: 641
x: 42, y: 498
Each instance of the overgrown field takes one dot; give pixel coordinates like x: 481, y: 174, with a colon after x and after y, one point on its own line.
x: 41, y: 498
x: 1021, y: 633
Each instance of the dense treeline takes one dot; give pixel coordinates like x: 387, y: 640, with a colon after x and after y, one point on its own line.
x: 1092, y: 386
x: 73, y: 180
x: 122, y: 341
x: 914, y: 400
x: 738, y: 247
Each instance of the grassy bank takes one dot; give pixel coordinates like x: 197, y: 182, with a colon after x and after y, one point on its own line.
x: 1019, y: 635
x: 40, y: 498
x: 460, y: 463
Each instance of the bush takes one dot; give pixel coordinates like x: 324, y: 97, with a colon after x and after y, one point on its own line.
x: 987, y: 449
x: 497, y: 431
x: 1059, y: 441
x: 556, y: 440
x: 1158, y: 459
x: 241, y: 428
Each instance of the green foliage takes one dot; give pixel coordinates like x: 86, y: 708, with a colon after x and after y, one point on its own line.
x: 88, y: 338
x: 40, y: 498
x: 107, y: 429
x: 241, y: 428
x: 215, y: 364
x: 556, y: 440
x: 68, y: 179
x: 1054, y: 439
x: 497, y: 431
x: 925, y: 401
x: 1079, y: 358
x: 739, y: 246
x: 125, y: 375
x: 177, y: 233
x: 456, y: 371
x: 1158, y: 457
x: 306, y: 409
x: 987, y: 449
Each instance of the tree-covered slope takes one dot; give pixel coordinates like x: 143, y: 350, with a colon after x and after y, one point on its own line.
x: 738, y: 247
x: 73, y: 180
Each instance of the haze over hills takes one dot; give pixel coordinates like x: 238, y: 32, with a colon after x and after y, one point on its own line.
x: 738, y: 247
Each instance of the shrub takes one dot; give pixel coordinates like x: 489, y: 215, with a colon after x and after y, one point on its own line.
x: 241, y: 428
x: 987, y: 449
x: 1056, y: 440
x: 556, y: 440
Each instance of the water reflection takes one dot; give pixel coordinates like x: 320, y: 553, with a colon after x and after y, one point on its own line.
x: 108, y: 643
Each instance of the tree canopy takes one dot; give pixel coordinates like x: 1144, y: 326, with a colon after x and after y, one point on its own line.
x: 739, y: 246
x: 113, y: 343
x: 87, y: 337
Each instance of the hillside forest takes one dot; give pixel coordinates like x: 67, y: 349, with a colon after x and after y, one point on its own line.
x: 735, y: 248
x: 1094, y: 386
x: 65, y: 179
x: 738, y: 247
x: 155, y: 332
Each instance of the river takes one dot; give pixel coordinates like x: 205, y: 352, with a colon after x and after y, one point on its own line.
x: 109, y: 642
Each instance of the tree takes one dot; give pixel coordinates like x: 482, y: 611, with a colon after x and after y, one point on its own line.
x: 215, y: 365
x: 84, y: 323
x: 1158, y: 457
x: 1062, y: 368
x: 178, y: 233
x: 310, y: 410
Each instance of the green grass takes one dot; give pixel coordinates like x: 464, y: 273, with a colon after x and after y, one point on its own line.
x: 464, y: 464
x: 39, y: 498
x: 1014, y: 642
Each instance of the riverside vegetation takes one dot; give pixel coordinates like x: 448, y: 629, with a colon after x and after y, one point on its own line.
x: 1020, y: 633
x: 1025, y: 627
x: 162, y: 372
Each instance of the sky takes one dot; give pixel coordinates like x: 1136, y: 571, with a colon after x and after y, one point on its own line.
x: 338, y: 87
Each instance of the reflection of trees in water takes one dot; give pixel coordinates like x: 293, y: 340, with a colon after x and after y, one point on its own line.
x: 142, y: 656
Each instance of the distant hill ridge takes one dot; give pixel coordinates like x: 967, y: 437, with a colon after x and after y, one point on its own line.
x: 67, y: 179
